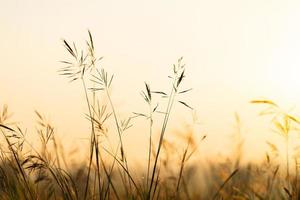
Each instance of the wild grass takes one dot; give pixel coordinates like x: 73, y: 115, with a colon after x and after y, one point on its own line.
x: 172, y: 168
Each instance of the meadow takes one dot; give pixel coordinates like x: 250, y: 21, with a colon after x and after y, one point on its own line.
x: 43, y: 172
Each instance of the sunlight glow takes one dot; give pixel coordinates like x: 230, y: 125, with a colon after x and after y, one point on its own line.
x: 286, y: 82
x: 284, y: 69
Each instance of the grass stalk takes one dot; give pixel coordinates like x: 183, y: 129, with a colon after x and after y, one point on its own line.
x: 164, y: 126
x: 224, y: 183
x: 93, y: 143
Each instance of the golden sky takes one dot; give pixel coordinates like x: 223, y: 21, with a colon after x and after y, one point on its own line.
x: 235, y: 51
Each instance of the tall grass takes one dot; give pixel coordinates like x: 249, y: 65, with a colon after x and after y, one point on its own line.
x: 284, y: 124
x: 172, y: 168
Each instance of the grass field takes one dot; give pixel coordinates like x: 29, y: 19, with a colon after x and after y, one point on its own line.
x: 27, y: 172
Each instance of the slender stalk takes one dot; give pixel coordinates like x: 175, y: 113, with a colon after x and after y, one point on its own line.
x: 124, y: 169
x: 224, y: 183
x: 93, y: 140
x: 120, y: 131
x: 287, y: 158
x: 96, y: 140
x: 165, y: 122
x: 111, y: 170
x: 108, y: 174
x: 150, y: 146
x: 296, y: 178
x: 117, y: 124
x: 181, y: 169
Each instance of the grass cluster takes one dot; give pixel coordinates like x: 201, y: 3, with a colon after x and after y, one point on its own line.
x: 30, y: 173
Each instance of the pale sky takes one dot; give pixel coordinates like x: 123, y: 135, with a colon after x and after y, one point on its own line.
x: 235, y: 51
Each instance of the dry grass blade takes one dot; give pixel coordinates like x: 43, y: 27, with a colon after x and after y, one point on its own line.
x: 69, y: 48
x: 91, y: 40
x: 185, y: 104
x: 288, y: 193
x: 6, y: 127
x: 264, y: 102
x: 180, y: 78
x: 185, y: 91
x: 224, y: 183
x: 148, y: 91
